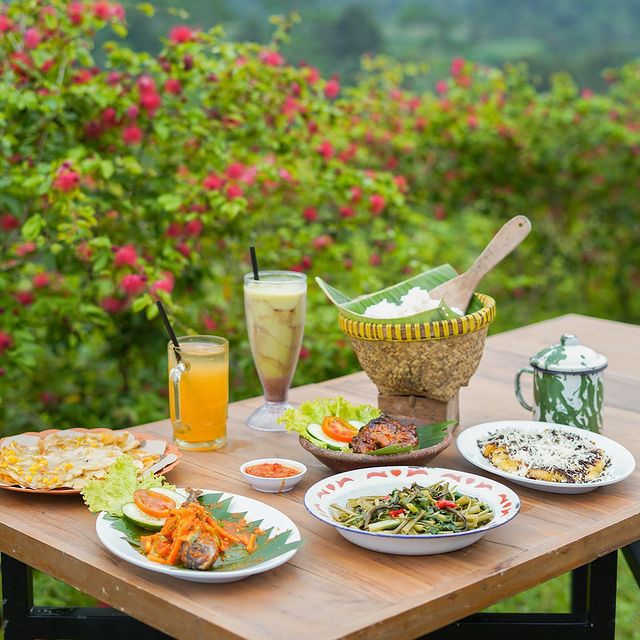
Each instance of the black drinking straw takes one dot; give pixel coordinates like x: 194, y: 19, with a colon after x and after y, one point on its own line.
x: 169, y: 328
x: 254, y: 262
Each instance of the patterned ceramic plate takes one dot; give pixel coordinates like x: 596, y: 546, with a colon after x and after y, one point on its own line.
x: 504, y: 503
x: 151, y: 443
x: 622, y: 462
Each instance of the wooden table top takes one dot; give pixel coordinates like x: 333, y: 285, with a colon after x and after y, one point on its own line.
x: 332, y: 589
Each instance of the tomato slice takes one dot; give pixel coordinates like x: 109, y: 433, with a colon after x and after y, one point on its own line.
x: 338, y: 429
x: 152, y: 503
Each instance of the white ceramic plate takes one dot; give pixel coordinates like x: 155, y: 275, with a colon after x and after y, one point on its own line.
x: 504, y: 503
x: 115, y: 542
x: 622, y: 462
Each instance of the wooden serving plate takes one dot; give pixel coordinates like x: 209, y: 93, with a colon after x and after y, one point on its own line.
x: 338, y: 461
x: 170, y: 448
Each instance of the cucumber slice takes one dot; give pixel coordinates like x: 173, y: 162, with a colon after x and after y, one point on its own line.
x: 356, y: 423
x: 315, y: 431
x: 178, y: 498
x: 138, y: 517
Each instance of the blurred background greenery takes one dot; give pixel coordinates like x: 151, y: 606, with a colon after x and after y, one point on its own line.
x: 582, y: 38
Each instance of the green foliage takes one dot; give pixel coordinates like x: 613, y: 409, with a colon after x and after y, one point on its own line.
x: 150, y: 176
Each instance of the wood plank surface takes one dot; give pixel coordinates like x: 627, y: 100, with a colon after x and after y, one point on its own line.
x: 332, y: 589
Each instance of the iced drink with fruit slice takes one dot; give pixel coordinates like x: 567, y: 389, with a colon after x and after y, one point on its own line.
x: 275, y: 307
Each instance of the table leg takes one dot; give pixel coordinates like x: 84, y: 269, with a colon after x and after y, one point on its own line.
x: 593, y: 603
x: 632, y: 556
x: 24, y: 621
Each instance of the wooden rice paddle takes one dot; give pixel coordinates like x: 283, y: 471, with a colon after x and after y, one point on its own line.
x: 458, y: 291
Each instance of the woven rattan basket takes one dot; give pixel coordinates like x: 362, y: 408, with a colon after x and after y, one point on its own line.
x: 432, y: 359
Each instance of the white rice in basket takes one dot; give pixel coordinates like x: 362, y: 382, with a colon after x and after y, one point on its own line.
x: 416, y: 300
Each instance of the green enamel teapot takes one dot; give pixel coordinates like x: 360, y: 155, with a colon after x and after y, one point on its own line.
x: 567, y: 384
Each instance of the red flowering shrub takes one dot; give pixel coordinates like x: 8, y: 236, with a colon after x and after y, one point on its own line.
x: 151, y: 176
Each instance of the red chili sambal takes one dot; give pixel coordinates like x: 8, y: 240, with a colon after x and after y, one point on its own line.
x: 272, y: 470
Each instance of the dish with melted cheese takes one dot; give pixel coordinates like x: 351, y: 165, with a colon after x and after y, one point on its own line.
x: 68, y: 459
x: 552, y: 455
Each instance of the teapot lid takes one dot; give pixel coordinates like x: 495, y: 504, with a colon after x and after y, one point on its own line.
x: 569, y: 357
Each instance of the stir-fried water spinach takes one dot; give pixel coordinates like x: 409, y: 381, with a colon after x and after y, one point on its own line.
x: 415, y: 510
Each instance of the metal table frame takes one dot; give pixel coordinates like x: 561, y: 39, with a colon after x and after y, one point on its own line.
x: 592, y: 617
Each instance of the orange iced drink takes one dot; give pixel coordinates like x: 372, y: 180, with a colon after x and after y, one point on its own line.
x: 199, y: 392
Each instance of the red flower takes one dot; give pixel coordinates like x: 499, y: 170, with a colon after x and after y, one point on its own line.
x: 184, y: 249
x: 174, y: 230
x: 235, y: 170
x: 133, y: 284
x: 132, y: 134
x: 181, y: 33
x: 41, y: 280
x: 312, y: 75
x: 322, y: 241
x: 193, y: 227
x: 150, y: 102
x: 401, y: 183
x: 102, y: 10
x: 587, y: 93
x: 310, y: 214
x: 212, y: 182
x: 375, y: 260
x: 377, y: 204
x: 347, y: 212
x: 304, y: 353
x: 442, y: 87
x: 5, y: 341
x: 325, y: 150
x: 75, y: 11
x: 9, y: 222
x: 32, y: 38
x: 332, y: 88
x: 356, y: 194
x: 234, y: 191
x: 146, y: 84
x: 112, y: 305
x: 132, y: 112
x: 109, y: 117
x: 82, y: 77
x: 172, y: 85
x: 24, y: 298
x: 5, y: 24
x: 472, y: 122
x: 209, y: 323
x: 165, y: 284
x: 457, y: 66
x: 126, y: 256
x: 439, y: 212
x: 271, y: 58
x: 67, y: 180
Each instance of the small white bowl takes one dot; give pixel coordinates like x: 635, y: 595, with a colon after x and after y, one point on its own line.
x: 273, y: 485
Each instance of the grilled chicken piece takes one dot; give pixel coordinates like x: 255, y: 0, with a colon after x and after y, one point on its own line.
x: 382, y: 432
x: 199, y: 553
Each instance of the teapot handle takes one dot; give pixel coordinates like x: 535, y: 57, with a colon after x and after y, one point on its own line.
x: 518, y: 389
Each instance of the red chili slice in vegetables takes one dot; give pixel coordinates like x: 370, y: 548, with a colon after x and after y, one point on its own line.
x: 396, y: 513
x: 338, y: 429
x: 152, y: 503
x: 441, y: 504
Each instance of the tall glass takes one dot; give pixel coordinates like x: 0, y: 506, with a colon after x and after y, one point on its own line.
x: 199, y: 392
x: 275, y: 307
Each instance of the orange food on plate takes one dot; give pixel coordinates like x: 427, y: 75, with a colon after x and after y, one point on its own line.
x: 272, y: 470
x: 153, y: 503
x: 338, y: 429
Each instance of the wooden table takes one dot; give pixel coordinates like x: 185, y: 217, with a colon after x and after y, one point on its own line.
x: 332, y: 589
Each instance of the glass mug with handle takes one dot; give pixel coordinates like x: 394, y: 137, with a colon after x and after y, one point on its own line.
x: 199, y: 392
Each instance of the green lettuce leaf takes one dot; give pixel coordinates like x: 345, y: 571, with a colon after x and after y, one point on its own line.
x: 316, y: 410
x: 117, y: 487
